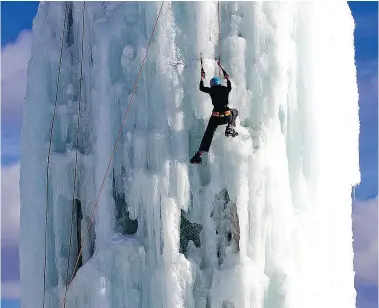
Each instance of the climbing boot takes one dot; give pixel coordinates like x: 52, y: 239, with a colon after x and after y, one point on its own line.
x: 230, y: 131
x: 196, y: 159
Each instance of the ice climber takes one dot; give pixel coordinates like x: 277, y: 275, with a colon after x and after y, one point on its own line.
x: 221, y: 113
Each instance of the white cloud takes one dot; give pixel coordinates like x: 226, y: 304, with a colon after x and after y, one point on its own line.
x: 365, y: 227
x: 14, y: 63
x: 10, y: 205
x: 10, y: 290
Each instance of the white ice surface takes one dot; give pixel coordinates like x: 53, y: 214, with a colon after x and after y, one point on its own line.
x: 289, y: 172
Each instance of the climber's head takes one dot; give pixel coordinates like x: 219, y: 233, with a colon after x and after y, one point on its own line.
x: 215, y: 81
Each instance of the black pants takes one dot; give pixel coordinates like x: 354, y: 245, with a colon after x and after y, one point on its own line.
x: 213, y: 123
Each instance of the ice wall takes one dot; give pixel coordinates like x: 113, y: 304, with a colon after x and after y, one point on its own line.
x: 264, y: 222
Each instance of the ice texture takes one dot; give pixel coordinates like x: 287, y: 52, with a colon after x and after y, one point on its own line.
x: 264, y: 222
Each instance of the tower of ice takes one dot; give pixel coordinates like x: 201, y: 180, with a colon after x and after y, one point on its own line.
x: 264, y: 222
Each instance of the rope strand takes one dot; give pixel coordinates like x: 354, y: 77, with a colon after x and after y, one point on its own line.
x: 114, y: 149
x: 77, y: 146
x: 49, y: 154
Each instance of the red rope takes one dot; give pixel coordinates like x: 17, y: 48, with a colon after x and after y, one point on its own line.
x: 114, y: 151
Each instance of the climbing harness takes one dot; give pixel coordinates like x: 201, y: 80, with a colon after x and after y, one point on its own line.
x: 49, y: 154
x: 114, y: 150
x: 221, y: 114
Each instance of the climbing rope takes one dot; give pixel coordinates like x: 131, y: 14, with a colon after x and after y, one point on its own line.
x: 49, y: 154
x: 113, y: 153
x: 77, y: 146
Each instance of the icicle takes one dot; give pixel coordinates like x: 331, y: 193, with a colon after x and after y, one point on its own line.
x: 267, y: 214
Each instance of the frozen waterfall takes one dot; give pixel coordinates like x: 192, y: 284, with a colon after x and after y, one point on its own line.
x: 264, y: 222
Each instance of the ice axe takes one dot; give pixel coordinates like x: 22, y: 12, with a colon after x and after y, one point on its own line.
x: 223, y: 71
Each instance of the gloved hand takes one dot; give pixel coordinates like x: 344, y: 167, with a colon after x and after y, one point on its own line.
x: 202, y: 74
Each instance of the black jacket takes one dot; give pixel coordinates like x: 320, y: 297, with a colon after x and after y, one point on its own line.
x: 219, y: 95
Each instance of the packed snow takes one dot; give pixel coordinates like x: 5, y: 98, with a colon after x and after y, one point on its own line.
x: 264, y: 222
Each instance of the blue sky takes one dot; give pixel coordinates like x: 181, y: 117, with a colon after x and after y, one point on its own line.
x: 17, y: 17
x: 366, y: 39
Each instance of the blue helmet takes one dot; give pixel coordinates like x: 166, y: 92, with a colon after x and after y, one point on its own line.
x: 215, y: 81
